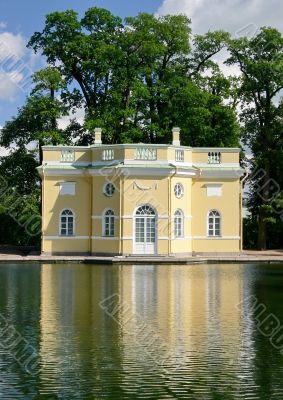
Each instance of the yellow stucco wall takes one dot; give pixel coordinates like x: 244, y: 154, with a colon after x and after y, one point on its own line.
x: 228, y: 207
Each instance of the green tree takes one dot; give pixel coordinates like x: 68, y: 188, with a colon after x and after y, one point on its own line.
x: 261, y: 62
x: 129, y: 75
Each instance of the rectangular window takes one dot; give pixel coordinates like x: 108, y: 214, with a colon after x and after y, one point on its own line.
x: 140, y: 230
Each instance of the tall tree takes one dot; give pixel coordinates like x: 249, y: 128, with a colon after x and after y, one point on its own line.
x: 129, y: 76
x: 261, y: 62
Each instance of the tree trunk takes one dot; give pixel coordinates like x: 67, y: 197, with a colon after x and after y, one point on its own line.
x: 261, y: 238
x: 264, y: 194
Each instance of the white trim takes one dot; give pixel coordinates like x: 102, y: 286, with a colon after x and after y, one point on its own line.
x: 131, y: 237
x: 106, y: 163
x: 220, y: 149
x: 65, y: 237
x: 217, y: 237
x: 138, y: 171
x: 104, y: 238
x: 64, y: 172
x: 63, y: 147
x: 126, y: 217
x: 134, y: 145
x: 131, y: 217
x: 217, y: 166
x: 218, y: 173
x: 67, y: 163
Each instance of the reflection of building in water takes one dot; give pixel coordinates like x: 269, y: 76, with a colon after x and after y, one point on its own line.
x: 177, y: 321
x: 73, y: 326
x: 194, y: 313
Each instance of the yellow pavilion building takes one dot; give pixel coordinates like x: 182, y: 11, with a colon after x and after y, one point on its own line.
x: 135, y: 199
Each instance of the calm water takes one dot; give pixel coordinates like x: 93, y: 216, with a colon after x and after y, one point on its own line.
x: 141, y: 332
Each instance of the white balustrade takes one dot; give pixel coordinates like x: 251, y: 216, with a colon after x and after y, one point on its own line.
x: 108, y: 154
x: 67, y: 156
x: 214, y: 157
x: 145, y: 153
x: 179, y: 155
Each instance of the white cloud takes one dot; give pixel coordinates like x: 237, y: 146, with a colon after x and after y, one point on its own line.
x: 11, y: 44
x: 15, y: 65
x: 79, y: 115
x: 230, y: 15
x: 239, y: 17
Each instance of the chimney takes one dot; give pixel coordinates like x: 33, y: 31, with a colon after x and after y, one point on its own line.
x: 176, y: 136
x: 97, y: 136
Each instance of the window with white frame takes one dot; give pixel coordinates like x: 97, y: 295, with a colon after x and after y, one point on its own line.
x: 178, y: 224
x: 214, y: 221
x: 179, y: 190
x: 109, y: 189
x: 108, y: 223
x: 67, y: 223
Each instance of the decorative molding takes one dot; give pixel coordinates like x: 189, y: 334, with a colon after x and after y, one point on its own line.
x: 217, y: 166
x: 67, y: 188
x: 215, y: 149
x: 216, y: 237
x: 67, y: 164
x: 213, y: 189
x: 65, y: 237
x: 104, y: 238
x: 144, y: 188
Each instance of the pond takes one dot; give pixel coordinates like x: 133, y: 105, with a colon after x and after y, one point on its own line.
x: 76, y: 331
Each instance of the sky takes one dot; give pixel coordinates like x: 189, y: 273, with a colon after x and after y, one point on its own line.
x: 20, y: 19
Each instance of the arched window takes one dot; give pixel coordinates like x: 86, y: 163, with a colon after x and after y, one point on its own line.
x: 109, y: 223
x: 145, y: 210
x: 214, y: 220
x: 179, y: 224
x: 67, y: 223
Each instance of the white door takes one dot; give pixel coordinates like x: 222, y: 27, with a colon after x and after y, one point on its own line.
x: 145, y: 231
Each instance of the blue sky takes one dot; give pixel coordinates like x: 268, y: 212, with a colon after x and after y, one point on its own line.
x: 20, y: 19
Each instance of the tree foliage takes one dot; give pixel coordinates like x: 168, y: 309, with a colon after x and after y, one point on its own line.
x: 261, y: 62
